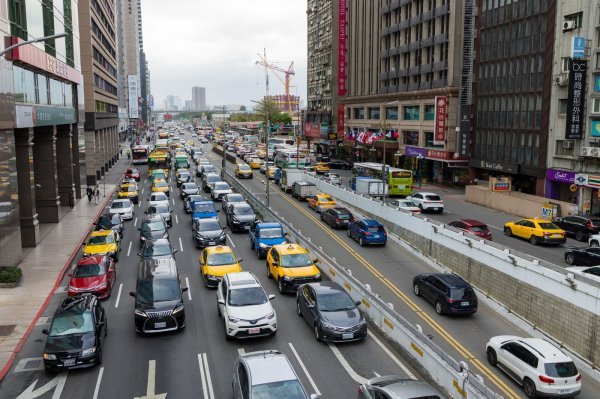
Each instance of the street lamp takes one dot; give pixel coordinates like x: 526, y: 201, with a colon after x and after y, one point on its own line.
x: 420, y: 169
x: 224, y: 161
x: 37, y: 40
x: 384, y: 172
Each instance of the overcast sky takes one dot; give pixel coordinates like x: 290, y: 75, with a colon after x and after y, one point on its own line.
x: 214, y: 44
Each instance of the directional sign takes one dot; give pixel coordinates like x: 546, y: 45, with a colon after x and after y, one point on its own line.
x: 150, y: 388
x: 58, y: 383
x: 581, y: 179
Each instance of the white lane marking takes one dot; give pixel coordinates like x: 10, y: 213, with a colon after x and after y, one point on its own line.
x: 376, y: 374
x: 353, y: 374
x: 312, y: 382
x: 494, y: 227
x: 241, y: 352
x: 98, y: 383
x: 139, y: 204
x: 151, y: 387
x: 230, y: 240
x: 144, y: 181
x: 202, y: 377
x: 187, y: 282
x: 129, y: 248
x: 58, y: 382
x: 119, y: 295
x: 208, y: 379
x: 135, y: 222
x: 391, y: 355
x: 173, y: 200
x: 180, y: 245
x: 142, y: 191
x: 176, y: 219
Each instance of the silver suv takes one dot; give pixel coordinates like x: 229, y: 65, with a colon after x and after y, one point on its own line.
x: 394, y: 387
x: 266, y: 375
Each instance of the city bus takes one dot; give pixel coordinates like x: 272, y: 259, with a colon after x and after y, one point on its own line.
x: 250, y: 139
x: 139, y: 154
x: 273, y: 141
x: 159, y: 159
x: 399, y: 181
x: 288, y: 158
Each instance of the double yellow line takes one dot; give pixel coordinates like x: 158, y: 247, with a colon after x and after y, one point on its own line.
x: 507, y: 390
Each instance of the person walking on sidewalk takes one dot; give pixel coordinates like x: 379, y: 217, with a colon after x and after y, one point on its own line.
x: 71, y: 199
x: 89, y: 192
x: 96, y: 195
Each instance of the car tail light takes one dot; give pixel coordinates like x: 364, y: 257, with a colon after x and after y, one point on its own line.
x: 578, y: 378
x: 546, y: 379
x: 365, y: 232
x: 338, y: 220
x: 591, y: 224
x: 450, y: 300
x: 546, y: 234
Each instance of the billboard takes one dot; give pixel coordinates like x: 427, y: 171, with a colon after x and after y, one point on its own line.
x: 575, y: 100
x: 441, y: 111
x: 133, y: 91
x: 342, y: 48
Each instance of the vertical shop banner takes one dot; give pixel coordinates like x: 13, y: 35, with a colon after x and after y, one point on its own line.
x: 340, y: 121
x: 463, y: 147
x: 342, y: 48
x: 441, y: 110
x: 575, y: 101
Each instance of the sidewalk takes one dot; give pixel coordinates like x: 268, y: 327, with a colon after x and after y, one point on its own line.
x: 44, y: 266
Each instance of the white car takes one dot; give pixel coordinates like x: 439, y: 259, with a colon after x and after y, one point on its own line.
x: 158, y: 198
x: 594, y: 240
x: 204, y: 140
x: 406, y: 205
x: 592, y: 272
x: 540, y: 367
x: 123, y: 207
x: 427, y: 202
x: 333, y: 178
x: 263, y: 166
x: 219, y: 189
x: 245, y: 307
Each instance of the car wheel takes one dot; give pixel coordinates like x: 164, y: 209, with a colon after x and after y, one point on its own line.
x: 507, y: 232
x: 416, y: 290
x: 491, y: 357
x: 570, y: 259
x: 269, y: 275
x: 280, y: 286
x: 219, y: 311
x: 529, y: 388
x: 361, y: 242
x: 227, y: 336
x: 317, y: 332
x: 594, y: 243
x: 321, y: 216
x: 348, y: 233
x: 421, y: 208
x: 438, y: 308
x: 579, y: 236
x: 533, y: 240
x: 298, y: 308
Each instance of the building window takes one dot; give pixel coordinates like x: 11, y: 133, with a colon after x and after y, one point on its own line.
x: 24, y: 81
x: 359, y: 113
x: 411, y: 113
x: 42, y: 89
x: 374, y: 113
x: 57, y: 95
x: 429, y: 141
x: 17, y: 16
x: 577, y: 18
x: 596, y: 105
x: 565, y: 64
x: 410, y: 137
x: 391, y: 113
x: 562, y: 106
x: 429, y: 112
x: 48, y: 13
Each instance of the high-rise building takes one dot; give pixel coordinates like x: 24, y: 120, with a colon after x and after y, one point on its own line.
x: 144, y: 72
x: 198, y: 98
x: 512, y: 91
x: 99, y: 60
x: 41, y: 136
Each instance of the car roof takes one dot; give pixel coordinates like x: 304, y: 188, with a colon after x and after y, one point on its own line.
x: 152, y: 218
x: 268, y: 225
x: 268, y: 366
x: 91, y: 260
x: 472, y: 222
x: 427, y: 193
x: 242, y: 279
x: 326, y: 287
x: 539, y: 346
x: 97, y: 233
x: 451, y: 280
x: 122, y: 200
x: 157, y: 268
x: 219, y: 249
x: 371, y: 222
x: 412, y: 389
x: 159, y: 241
x: 290, y: 248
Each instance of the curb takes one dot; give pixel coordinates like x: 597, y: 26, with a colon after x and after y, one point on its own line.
x: 25, y: 336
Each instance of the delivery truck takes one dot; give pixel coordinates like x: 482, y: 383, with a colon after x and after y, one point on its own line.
x: 369, y: 186
x: 288, y: 178
x: 303, y: 189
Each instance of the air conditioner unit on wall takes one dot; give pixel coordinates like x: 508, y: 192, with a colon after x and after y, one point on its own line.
x: 595, y: 153
x: 568, y: 25
x: 586, y: 151
x: 567, y: 144
x: 561, y: 80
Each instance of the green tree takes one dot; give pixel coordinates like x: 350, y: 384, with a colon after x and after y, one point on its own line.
x: 267, y: 106
x: 282, y: 118
x: 243, y: 108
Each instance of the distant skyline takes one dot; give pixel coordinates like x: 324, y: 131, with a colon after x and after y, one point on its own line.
x: 214, y: 44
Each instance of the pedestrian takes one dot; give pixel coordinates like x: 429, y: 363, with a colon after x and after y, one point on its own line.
x: 128, y: 154
x: 89, y: 192
x: 71, y: 199
x: 121, y: 150
x: 96, y: 195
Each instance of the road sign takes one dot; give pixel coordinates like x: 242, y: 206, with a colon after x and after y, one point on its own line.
x: 578, y: 47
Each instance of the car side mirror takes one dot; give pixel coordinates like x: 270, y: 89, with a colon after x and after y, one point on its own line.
x: 275, y: 264
x: 316, y: 260
x: 240, y: 260
x: 146, y: 212
x: 139, y: 229
x: 358, y: 303
x: 132, y: 293
x: 286, y: 234
x: 221, y: 302
x: 101, y: 323
x: 311, y: 305
x: 70, y: 274
x: 271, y: 297
x: 45, y: 331
x: 139, y: 254
x: 174, y: 251
x: 185, y: 289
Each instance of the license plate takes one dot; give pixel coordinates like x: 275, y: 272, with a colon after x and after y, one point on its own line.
x: 564, y: 390
x: 254, y: 331
x: 348, y: 336
x: 160, y: 325
x: 466, y: 303
x: 436, y: 209
x: 246, y: 227
x: 212, y: 243
x: 557, y: 235
x: 69, y: 362
x: 401, y: 187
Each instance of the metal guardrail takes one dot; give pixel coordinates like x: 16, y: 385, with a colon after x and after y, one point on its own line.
x: 450, y: 375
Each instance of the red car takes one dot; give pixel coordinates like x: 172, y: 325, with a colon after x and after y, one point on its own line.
x: 132, y: 173
x: 93, y: 274
x: 474, y: 227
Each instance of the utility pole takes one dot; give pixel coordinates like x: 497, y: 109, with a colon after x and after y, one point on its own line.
x: 268, y: 125
x: 224, y: 161
x: 297, y: 134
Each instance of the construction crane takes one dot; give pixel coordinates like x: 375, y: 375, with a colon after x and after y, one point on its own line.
x: 288, y: 77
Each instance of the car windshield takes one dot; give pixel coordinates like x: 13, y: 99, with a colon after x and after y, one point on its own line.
x: 190, y: 186
x: 107, y: 220
x: 210, y: 225
x: 204, y: 208
x: 160, y: 184
x: 271, y: 233
x: 325, y: 198
x: 278, y: 390
x: 192, y: 198
x: 89, y: 270
x: 161, y: 197
x: 208, y: 169
x: 335, y: 302
x: 221, y: 186
x: 101, y: 240
x: 157, y: 250
x: 548, y: 226
x: 478, y: 228
x: 153, y: 226
x: 120, y: 205
x: 247, y: 296
x: 128, y: 189
x: 211, y: 179
x: 334, y: 176
x: 433, y: 197
x: 295, y: 260
x: 408, y: 204
x: 244, y: 167
x: 184, y: 175
x: 74, y: 322
x: 243, y: 210
x: 235, y: 198
x: 221, y: 259
x: 158, y: 290
x: 561, y: 370
x: 159, y: 208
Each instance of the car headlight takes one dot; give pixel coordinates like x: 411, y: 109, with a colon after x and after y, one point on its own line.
x: 211, y: 277
x: 88, y: 352
x: 317, y: 276
x: 178, y: 309
x: 270, y: 316
x: 287, y: 278
x: 49, y: 356
x: 362, y: 322
x: 140, y: 313
x: 142, y: 238
x: 233, y: 319
x: 328, y: 326
x: 263, y: 245
x: 103, y: 285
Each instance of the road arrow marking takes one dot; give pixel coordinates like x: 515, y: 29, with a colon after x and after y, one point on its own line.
x: 150, y: 388
x: 58, y: 383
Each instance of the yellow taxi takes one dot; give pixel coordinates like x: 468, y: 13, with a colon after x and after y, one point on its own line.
x: 272, y: 170
x: 158, y: 174
x: 102, y: 242
x: 320, y: 202
x: 243, y: 171
x: 537, y: 231
x: 291, y: 266
x: 321, y: 167
x: 262, y: 153
x: 190, y: 143
x: 129, y: 190
x: 255, y: 163
x: 160, y: 186
x: 215, y: 262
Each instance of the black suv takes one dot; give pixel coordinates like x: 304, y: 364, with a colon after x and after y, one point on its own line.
x: 337, y: 217
x: 208, y: 232
x: 158, y: 297
x: 579, y: 226
x: 153, y: 227
x: 76, y: 334
x: 240, y: 216
x: 449, y: 293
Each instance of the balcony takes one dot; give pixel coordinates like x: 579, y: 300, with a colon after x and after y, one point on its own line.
x: 413, y: 86
x: 416, y: 70
x: 439, y: 66
x: 392, y: 52
x: 436, y: 84
x: 415, y: 20
x: 442, y: 10
x: 441, y: 38
x: 426, y: 16
x: 405, y: 23
x: 424, y: 85
x: 414, y: 45
x: 426, y: 68
x: 403, y: 48
x: 428, y: 41
x: 402, y: 72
